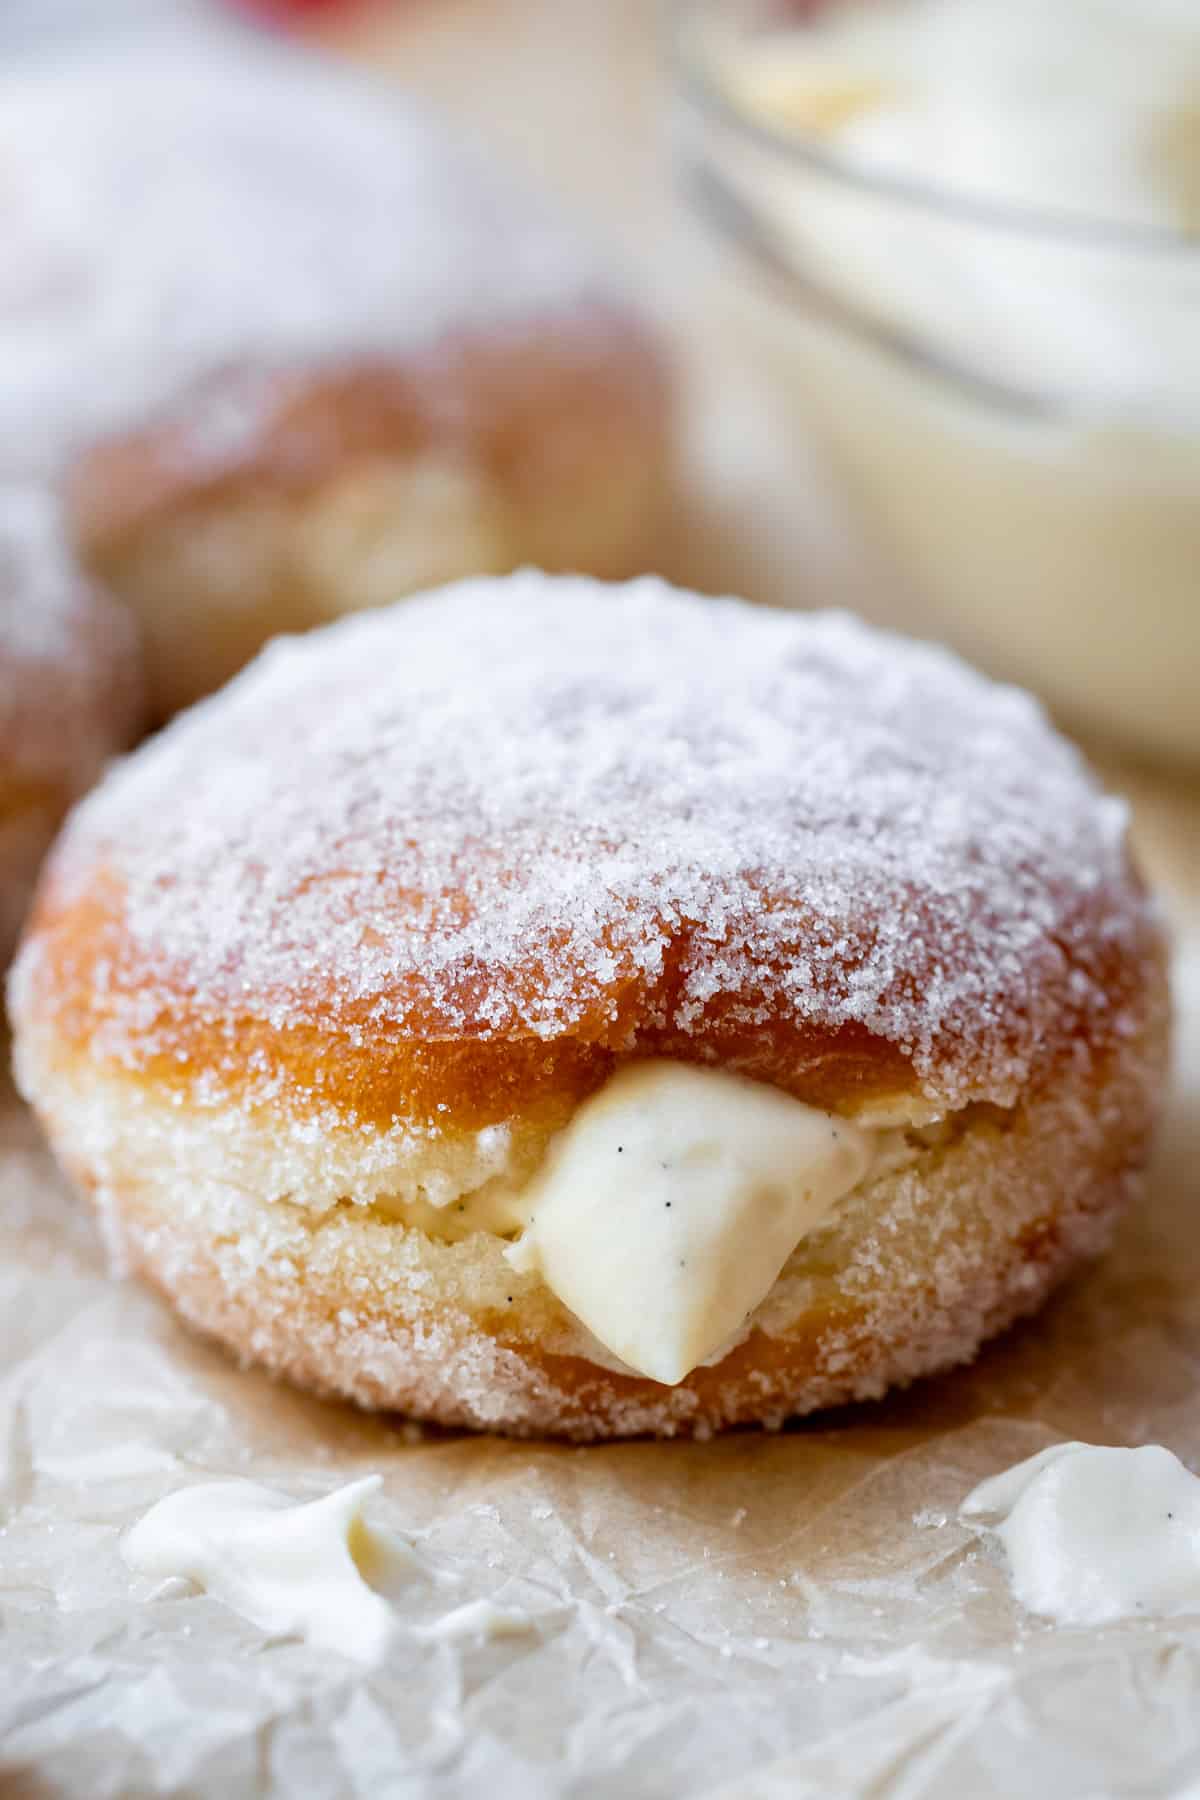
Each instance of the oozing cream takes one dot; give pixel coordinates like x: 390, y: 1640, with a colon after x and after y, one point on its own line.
x: 1094, y: 1533
x: 668, y: 1206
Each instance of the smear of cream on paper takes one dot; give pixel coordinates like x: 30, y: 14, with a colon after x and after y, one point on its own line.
x: 308, y: 1570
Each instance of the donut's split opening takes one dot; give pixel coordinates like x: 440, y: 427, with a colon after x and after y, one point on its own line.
x: 675, y: 1211
x: 663, y: 1213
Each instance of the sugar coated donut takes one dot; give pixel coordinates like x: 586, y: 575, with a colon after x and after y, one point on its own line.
x: 69, y: 690
x: 294, y: 349
x: 598, y: 1011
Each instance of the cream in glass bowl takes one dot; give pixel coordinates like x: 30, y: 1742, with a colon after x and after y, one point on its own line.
x: 968, y: 235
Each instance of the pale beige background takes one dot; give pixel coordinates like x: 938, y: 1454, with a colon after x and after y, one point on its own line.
x: 575, y: 92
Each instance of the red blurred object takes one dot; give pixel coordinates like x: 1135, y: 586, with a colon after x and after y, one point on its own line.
x: 285, y: 12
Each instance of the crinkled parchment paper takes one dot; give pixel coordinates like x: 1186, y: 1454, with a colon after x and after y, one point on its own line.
x: 785, y: 1615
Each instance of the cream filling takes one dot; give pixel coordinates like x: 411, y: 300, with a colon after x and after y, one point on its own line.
x: 666, y: 1209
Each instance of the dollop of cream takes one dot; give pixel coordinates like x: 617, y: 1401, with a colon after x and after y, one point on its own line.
x: 307, y: 1570
x: 1085, y: 106
x: 1094, y: 1533
x: 666, y: 1209
x: 1077, y: 474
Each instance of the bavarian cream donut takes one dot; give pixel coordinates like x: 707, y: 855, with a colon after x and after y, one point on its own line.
x: 69, y: 690
x: 597, y: 1011
x: 296, y: 350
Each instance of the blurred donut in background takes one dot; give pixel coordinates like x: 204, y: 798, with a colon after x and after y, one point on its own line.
x: 294, y: 349
x: 70, y: 695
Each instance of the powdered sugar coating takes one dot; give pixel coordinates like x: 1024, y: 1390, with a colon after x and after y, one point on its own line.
x: 540, y: 808
x: 169, y: 222
x: 68, y: 660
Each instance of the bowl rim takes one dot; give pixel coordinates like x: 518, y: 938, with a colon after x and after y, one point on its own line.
x: 696, y: 82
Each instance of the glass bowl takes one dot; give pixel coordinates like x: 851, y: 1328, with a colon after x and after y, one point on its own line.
x: 1012, y: 396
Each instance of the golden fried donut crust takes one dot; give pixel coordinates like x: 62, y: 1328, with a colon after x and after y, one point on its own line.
x: 442, y: 868
x: 450, y: 956
x: 376, y: 1077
